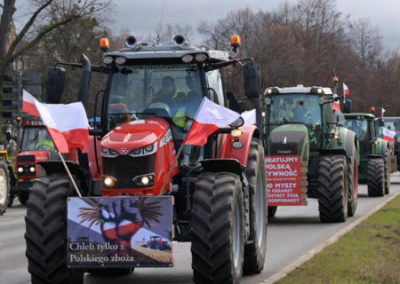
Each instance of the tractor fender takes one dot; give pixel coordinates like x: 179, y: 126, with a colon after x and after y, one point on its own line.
x: 226, y: 151
x: 222, y: 165
x: 83, y: 175
x: 347, y: 139
x: 351, y: 139
x: 381, y: 147
x: 375, y: 156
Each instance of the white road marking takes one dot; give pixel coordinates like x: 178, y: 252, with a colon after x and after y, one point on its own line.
x: 308, y: 255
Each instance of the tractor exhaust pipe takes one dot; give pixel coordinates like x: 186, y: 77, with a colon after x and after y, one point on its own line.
x: 85, y: 80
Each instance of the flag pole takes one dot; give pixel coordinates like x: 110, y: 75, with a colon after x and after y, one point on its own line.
x: 172, y: 167
x: 69, y: 174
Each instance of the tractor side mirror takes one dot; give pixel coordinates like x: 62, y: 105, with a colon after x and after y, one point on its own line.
x: 55, y: 84
x: 347, y: 106
x: 252, y: 82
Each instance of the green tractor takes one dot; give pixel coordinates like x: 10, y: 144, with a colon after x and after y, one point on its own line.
x: 375, y: 154
x: 300, y: 123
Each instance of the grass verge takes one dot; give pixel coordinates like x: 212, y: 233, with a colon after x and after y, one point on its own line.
x: 370, y: 253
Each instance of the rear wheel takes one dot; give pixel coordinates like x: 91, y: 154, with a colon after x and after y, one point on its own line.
x: 254, y: 252
x: 332, y: 197
x: 218, y: 233
x: 387, y: 172
x: 45, y: 235
x: 4, y: 187
x: 376, y: 177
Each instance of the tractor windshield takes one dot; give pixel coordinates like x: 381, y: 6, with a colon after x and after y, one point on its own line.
x: 162, y: 90
x: 360, y: 127
x: 36, y: 139
x: 295, y: 108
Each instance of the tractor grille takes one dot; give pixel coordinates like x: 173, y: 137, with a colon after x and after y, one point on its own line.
x: 125, y: 168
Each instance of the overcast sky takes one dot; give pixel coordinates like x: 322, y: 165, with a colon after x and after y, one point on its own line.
x: 142, y: 16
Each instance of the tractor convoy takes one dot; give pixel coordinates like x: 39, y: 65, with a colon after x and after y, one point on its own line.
x: 140, y: 186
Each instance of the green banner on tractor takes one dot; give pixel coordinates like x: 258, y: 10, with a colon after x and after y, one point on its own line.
x: 119, y: 232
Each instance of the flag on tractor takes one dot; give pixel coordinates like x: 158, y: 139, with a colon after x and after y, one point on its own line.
x: 346, y: 90
x: 209, y: 118
x: 67, y: 125
x: 28, y: 105
x: 388, y: 135
x: 249, y: 117
x: 382, y: 112
x: 335, y: 103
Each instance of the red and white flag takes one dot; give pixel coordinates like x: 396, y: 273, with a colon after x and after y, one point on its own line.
x: 28, y: 105
x: 335, y: 103
x: 382, y: 112
x: 346, y: 90
x: 67, y: 125
x: 209, y: 118
x: 388, y: 135
x: 249, y: 117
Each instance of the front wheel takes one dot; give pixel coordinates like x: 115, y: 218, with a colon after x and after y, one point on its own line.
x: 218, y: 233
x: 332, y: 197
x: 352, y: 183
x: 4, y: 187
x: 46, y: 226
x: 254, y: 251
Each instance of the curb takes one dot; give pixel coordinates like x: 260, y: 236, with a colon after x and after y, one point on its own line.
x: 308, y: 255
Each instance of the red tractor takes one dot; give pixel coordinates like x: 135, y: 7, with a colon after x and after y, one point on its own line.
x: 34, y: 146
x: 216, y: 193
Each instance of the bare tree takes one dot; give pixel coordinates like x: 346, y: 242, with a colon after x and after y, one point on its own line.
x: 47, y: 16
x: 366, y: 41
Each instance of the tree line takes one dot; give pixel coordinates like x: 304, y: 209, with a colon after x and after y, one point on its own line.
x: 304, y: 43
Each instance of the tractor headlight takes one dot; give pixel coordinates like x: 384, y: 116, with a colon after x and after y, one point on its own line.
x: 20, y: 169
x: 144, y: 151
x: 109, y: 181
x: 144, y: 180
x: 32, y: 169
x: 336, y: 136
x: 108, y: 153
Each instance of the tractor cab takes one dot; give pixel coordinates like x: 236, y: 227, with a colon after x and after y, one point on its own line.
x: 363, y: 125
x: 303, y: 106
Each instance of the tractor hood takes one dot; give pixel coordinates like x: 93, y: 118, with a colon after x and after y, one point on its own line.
x: 135, y: 134
x: 39, y: 156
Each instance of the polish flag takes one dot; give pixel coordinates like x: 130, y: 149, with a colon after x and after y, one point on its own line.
x: 335, y: 104
x: 346, y: 91
x: 382, y: 112
x: 67, y: 125
x: 249, y: 117
x: 388, y: 135
x: 209, y: 118
x: 28, y: 105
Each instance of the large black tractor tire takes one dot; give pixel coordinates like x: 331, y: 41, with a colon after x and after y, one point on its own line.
x: 45, y: 235
x: 376, y: 177
x: 272, y: 211
x: 218, y: 233
x: 255, y: 249
x: 4, y: 186
x: 387, y: 172
x: 332, y: 197
x: 23, y: 197
x: 352, y: 183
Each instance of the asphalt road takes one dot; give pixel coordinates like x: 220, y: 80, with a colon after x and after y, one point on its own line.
x: 293, y: 232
